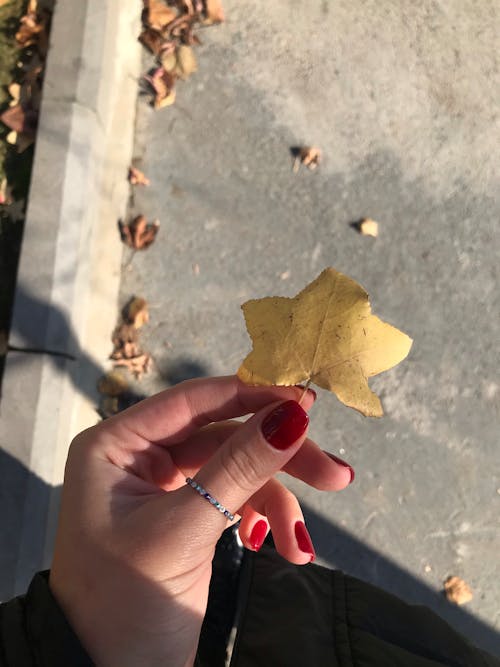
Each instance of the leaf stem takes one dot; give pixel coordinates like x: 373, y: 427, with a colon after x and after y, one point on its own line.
x: 307, y: 385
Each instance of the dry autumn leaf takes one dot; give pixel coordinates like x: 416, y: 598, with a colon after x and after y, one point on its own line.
x: 457, y: 590
x: 5, y: 195
x: 139, y: 234
x: 368, y: 227
x: 163, y: 85
x: 158, y: 15
x: 136, y: 177
x: 309, y: 156
x: 214, y: 12
x: 181, y: 62
x: 136, y: 365
x: 325, y: 335
x: 113, y: 383
x: 125, y: 342
x: 136, y: 312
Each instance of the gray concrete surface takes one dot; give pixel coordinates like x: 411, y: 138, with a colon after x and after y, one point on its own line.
x: 69, y: 270
x: 403, y: 101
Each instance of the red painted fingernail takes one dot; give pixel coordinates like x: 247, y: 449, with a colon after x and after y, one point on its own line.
x: 342, y: 463
x: 284, y: 425
x: 258, y: 535
x: 304, y: 539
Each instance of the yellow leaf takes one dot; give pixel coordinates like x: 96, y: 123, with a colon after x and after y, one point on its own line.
x: 214, y: 11
x: 325, y: 335
x: 186, y: 61
x: 368, y: 227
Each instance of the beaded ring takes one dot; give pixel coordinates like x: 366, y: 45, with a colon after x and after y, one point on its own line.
x: 194, y: 485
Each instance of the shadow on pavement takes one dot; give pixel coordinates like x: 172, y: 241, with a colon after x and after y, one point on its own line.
x: 343, y: 551
x: 25, y: 501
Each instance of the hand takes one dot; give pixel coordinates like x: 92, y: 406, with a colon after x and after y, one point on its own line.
x: 133, y: 553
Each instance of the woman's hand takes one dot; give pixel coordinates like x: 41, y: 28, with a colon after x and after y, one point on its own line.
x: 133, y: 554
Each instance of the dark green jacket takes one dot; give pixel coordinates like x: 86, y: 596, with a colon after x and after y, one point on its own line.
x: 289, y: 616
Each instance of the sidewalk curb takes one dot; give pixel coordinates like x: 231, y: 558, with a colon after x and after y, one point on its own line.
x: 68, y: 279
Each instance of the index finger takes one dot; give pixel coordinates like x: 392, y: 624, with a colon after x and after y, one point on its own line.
x: 172, y: 415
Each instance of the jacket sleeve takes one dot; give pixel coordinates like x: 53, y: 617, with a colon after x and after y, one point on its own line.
x: 35, y: 633
x: 291, y: 616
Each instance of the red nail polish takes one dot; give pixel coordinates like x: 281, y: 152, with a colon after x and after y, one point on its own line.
x: 258, y: 535
x: 304, y: 539
x: 284, y: 425
x: 342, y: 463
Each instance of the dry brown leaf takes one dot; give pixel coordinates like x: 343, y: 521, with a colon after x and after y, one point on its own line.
x: 368, y: 227
x: 309, y: 156
x: 158, y: 15
x: 15, y: 92
x: 136, y: 177
x: 109, y: 406
x: 125, y: 342
x: 113, y: 383
x: 163, y: 85
x: 138, y: 234
x: 186, y: 61
x: 457, y: 590
x: 152, y: 40
x: 136, y: 365
x: 31, y: 30
x: 181, y: 62
x: 19, y: 119
x: 5, y: 196
x: 136, y: 312
x: 326, y: 335
x: 214, y: 12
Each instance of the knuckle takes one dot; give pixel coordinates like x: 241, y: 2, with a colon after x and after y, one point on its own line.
x: 241, y: 467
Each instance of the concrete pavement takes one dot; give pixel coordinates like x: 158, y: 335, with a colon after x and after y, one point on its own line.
x: 402, y: 99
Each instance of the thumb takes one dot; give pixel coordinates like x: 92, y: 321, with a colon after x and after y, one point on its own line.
x: 249, y: 458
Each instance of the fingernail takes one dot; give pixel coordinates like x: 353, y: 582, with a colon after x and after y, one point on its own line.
x: 304, y: 539
x: 284, y: 425
x: 258, y: 535
x: 342, y: 463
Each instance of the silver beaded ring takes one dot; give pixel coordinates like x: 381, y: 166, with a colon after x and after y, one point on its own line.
x: 194, y: 485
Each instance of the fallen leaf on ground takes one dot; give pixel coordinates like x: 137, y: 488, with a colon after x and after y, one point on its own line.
x: 214, y: 12
x: 138, y: 366
x: 15, y: 92
x: 457, y: 590
x: 125, y: 342
x: 136, y: 177
x: 20, y: 120
x: 152, y: 40
x: 109, y: 406
x: 5, y: 193
x: 181, y: 62
x: 113, y: 383
x: 136, y: 312
x: 158, y: 15
x: 325, y: 335
x: 139, y: 234
x: 309, y: 156
x: 368, y: 227
x: 163, y: 85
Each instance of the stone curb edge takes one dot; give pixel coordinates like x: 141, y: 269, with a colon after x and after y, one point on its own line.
x: 69, y: 272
